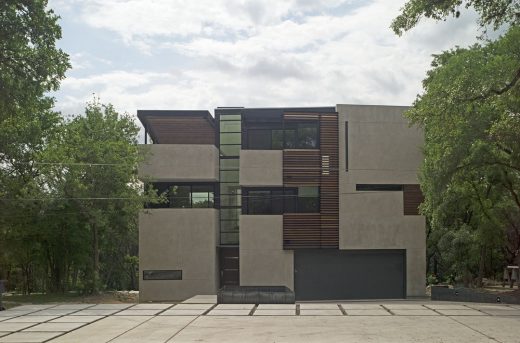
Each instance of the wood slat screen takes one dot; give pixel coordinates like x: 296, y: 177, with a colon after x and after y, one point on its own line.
x: 314, y: 168
x: 412, y: 198
x: 181, y: 130
x: 301, y: 167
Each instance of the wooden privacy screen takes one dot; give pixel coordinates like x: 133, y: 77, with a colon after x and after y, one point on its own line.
x: 319, y: 167
x: 412, y: 198
x: 181, y: 130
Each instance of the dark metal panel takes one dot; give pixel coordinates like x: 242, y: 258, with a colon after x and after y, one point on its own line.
x: 229, y: 263
x: 349, y: 274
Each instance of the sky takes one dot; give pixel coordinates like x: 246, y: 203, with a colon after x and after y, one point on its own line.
x: 201, y: 54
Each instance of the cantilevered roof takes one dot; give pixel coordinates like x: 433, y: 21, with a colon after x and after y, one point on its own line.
x: 178, y: 127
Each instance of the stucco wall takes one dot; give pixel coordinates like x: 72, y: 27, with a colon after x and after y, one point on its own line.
x: 382, y: 149
x: 179, y: 162
x: 261, y: 167
x: 263, y: 262
x: 173, y: 239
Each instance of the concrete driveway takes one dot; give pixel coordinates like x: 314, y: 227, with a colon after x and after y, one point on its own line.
x: 201, y: 320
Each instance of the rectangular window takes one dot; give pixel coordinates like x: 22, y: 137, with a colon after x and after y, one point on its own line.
x: 294, y: 136
x: 162, y: 274
x: 278, y: 201
x: 259, y: 139
x: 229, y: 164
x: 307, y: 135
x: 230, y: 138
x: 379, y: 187
x: 230, y: 150
x: 236, y: 117
x: 229, y: 176
x: 185, y: 195
x: 230, y: 126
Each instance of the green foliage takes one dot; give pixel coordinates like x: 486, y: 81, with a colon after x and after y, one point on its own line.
x: 492, y: 12
x: 470, y: 112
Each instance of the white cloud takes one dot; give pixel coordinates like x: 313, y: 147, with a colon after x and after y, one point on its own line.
x: 263, y: 53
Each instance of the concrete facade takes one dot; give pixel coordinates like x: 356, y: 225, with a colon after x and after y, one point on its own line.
x: 261, y: 168
x: 178, y: 239
x: 179, y: 162
x: 263, y: 262
x: 382, y: 149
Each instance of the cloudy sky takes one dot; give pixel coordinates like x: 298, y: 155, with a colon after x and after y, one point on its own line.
x: 200, y: 54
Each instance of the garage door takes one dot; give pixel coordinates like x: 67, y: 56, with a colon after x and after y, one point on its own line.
x: 349, y: 274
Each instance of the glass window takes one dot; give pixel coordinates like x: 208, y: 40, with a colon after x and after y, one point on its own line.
x: 228, y: 238
x: 277, y: 139
x: 259, y: 202
x: 308, y: 200
x: 230, y: 117
x: 230, y: 126
x: 230, y: 150
x: 229, y: 164
x: 229, y: 225
x: 290, y: 200
x: 290, y: 139
x: 307, y: 135
x: 230, y: 138
x: 230, y: 214
x: 202, y: 196
x: 230, y: 200
x: 277, y: 201
x: 259, y: 139
x: 229, y: 188
x: 229, y: 176
x: 180, y: 196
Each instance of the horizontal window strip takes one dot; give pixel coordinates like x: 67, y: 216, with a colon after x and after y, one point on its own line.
x: 162, y: 274
x: 379, y: 187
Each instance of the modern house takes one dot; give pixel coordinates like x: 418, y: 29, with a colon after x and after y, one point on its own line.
x: 323, y: 200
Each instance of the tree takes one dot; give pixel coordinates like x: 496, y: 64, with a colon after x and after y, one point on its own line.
x: 92, y: 172
x: 30, y: 66
x: 470, y: 112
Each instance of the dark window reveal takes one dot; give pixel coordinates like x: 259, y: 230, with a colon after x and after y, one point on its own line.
x: 162, y: 274
x: 379, y: 187
x: 278, y: 201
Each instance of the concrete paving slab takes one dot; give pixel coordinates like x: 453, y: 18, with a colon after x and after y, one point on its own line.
x: 72, y: 306
x: 54, y: 327
x: 89, y: 312
x: 103, y: 330
x: 202, y: 299
x: 192, y: 307
x: 403, y: 306
x: 351, y: 306
x: 446, y: 306
x: 131, y: 312
x: 311, y: 312
x: 514, y: 306
x: 51, y: 312
x: 296, y: 329
x: 154, y: 306
x: 156, y: 330
x: 76, y: 319
x: 483, y: 307
x: 380, y: 312
x: 11, y: 327
x: 174, y: 312
x: 501, y: 329
x: 4, y: 333
x: 502, y: 312
x: 423, y: 312
x: 234, y: 307
x: 110, y: 306
x: 275, y: 312
x: 29, y: 337
x: 5, y: 318
x: 30, y: 319
x: 13, y: 313
x: 228, y: 312
x: 318, y: 306
x: 276, y: 307
x: 467, y: 312
x: 32, y: 308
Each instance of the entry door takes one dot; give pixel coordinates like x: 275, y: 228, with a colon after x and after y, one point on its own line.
x: 349, y: 274
x: 229, y: 266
